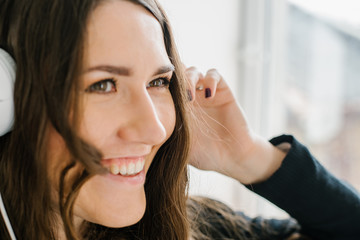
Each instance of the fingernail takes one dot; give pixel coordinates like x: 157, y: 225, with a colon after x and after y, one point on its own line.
x: 207, y: 92
x: 190, y: 97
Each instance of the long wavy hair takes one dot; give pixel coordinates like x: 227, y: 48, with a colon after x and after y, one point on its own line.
x: 46, y: 39
x: 211, y: 219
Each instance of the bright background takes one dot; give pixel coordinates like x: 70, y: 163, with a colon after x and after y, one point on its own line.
x: 294, y: 67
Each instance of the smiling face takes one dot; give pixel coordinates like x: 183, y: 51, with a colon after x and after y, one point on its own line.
x: 127, y: 113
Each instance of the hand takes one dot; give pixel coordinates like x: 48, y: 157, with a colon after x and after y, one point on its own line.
x: 221, y: 139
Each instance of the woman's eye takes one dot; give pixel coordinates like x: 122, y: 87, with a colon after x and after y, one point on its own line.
x: 159, y: 83
x: 103, y: 86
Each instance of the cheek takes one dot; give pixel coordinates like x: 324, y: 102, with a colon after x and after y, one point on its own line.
x: 96, y: 122
x: 166, y: 114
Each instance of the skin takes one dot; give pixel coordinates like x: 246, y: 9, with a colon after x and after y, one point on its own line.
x: 129, y: 119
x: 222, y: 140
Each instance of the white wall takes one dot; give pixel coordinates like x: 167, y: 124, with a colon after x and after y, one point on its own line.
x: 206, y: 32
x: 207, y: 35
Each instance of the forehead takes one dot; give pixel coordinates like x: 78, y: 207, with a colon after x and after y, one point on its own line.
x: 123, y: 33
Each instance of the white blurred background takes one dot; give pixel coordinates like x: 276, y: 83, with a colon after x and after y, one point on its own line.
x: 294, y: 66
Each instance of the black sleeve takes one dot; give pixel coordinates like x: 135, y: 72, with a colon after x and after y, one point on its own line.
x: 324, y: 206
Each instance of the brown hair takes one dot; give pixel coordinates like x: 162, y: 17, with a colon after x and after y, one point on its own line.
x: 211, y: 219
x: 46, y: 40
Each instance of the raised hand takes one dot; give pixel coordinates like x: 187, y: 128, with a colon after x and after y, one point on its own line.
x: 221, y: 138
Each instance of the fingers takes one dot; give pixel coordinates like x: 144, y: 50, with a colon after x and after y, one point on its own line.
x: 200, y: 86
x: 194, y: 77
x: 210, y: 83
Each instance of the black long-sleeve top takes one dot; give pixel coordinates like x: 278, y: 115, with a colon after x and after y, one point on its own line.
x: 320, y: 205
x: 324, y: 206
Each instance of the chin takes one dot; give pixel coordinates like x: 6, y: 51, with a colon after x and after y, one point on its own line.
x: 131, y: 217
x: 110, y: 206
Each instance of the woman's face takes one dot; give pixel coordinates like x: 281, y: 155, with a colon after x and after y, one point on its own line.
x: 128, y: 110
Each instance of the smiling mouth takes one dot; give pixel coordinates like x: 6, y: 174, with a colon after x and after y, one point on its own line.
x: 128, y: 167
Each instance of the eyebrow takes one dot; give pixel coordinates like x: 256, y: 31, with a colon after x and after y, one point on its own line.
x: 124, y: 71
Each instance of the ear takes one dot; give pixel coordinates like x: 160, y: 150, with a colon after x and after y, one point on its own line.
x: 7, y: 81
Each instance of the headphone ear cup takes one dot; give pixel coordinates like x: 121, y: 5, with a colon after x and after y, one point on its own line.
x: 7, y: 81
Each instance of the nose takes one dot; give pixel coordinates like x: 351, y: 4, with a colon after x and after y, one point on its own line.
x: 142, y: 122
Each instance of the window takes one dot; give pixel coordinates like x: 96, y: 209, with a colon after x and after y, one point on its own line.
x: 295, y: 67
x: 323, y: 82
x: 308, y: 54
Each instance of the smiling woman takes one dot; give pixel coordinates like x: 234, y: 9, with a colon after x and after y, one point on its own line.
x: 98, y: 94
x: 101, y: 138
x: 118, y: 107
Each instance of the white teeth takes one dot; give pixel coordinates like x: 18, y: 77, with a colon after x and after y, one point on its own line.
x: 139, y: 166
x: 114, y: 169
x: 131, y: 168
x: 123, y: 170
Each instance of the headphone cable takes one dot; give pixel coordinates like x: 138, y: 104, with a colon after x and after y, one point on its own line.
x: 6, y: 219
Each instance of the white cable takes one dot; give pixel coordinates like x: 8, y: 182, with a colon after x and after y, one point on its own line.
x: 6, y: 219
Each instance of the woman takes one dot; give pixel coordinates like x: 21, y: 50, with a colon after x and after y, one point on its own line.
x: 100, y: 141
x: 98, y: 105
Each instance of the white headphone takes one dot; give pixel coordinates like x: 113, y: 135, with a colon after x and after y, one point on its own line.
x: 7, y: 81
